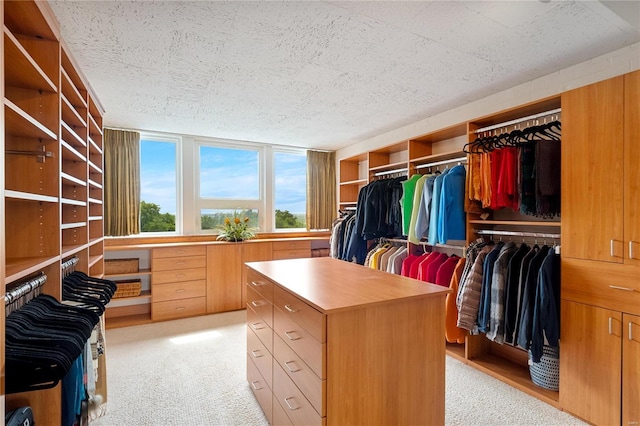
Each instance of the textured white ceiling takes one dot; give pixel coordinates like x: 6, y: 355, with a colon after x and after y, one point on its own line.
x: 322, y: 74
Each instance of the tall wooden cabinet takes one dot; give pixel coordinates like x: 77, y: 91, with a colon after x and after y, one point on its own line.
x: 600, y: 336
x: 52, y: 126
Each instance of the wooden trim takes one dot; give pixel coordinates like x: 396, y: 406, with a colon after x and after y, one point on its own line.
x: 123, y: 243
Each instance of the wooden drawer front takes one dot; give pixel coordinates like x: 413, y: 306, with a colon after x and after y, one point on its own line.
x: 615, y: 287
x: 175, y: 291
x: 178, y: 263
x: 260, y: 356
x: 279, y: 415
x: 291, y: 245
x: 315, y: 322
x: 179, y: 251
x: 164, y: 277
x: 178, y: 308
x: 313, y: 388
x: 291, y: 254
x: 260, y: 284
x: 261, y: 328
x: 294, y: 403
x: 260, y: 389
x: 262, y: 306
x: 304, y: 344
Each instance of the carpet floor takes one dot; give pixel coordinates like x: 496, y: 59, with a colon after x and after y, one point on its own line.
x: 193, y: 372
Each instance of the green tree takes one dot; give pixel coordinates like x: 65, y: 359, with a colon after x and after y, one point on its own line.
x: 285, y: 219
x: 151, y: 220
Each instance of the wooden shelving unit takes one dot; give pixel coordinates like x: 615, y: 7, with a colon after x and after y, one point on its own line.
x: 48, y: 209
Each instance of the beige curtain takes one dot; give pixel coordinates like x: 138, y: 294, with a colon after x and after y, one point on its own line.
x: 121, y: 182
x: 321, y: 189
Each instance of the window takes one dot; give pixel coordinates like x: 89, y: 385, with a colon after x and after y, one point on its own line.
x: 290, y: 189
x: 158, y: 184
x: 229, y: 183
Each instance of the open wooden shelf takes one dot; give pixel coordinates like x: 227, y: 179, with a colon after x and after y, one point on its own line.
x: 128, y: 321
x: 515, y: 223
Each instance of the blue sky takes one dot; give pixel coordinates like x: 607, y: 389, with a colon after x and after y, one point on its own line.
x: 226, y: 173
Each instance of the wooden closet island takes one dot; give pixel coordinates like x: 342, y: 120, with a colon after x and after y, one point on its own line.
x: 335, y: 343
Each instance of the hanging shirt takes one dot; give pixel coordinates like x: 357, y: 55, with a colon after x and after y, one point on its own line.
x: 435, y: 208
x: 511, y: 292
x: 546, y: 314
x: 406, y: 264
x: 454, y: 334
x: 395, y: 263
x: 484, y: 309
x: 528, y: 301
x: 498, y: 282
x: 424, y: 210
x: 417, y: 197
x: 485, y: 173
x: 422, y: 267
x: 451, y: 216
x: 406, y: 202
x: 432, y: 269
x: 384, y: 259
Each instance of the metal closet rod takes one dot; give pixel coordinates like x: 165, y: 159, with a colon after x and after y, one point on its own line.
x: 69, y: 263
x: 519, y: 120
x: 517, y: 234
x: 439, y: 163
x: 24, y: 288
x: 390, y: 172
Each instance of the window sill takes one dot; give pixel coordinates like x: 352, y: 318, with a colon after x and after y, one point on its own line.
x: 211, y: 238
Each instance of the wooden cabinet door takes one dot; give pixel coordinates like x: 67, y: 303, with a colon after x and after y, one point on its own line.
x: 224, y: 289
x: 592, y: 171
x: 252, y: 252
x: 631, y: 370
x: 590, y: 362
x: 632, y: 167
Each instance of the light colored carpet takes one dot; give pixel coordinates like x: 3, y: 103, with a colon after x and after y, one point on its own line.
x: 192, y: 372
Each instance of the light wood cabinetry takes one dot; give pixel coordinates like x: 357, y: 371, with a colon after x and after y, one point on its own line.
x: 349, y: 345
x: 46, y: 206
x: 600, y: 269
x: 597, y: 342
x: 178, y: 282
x: 224, y: 291
x: 174, y: 274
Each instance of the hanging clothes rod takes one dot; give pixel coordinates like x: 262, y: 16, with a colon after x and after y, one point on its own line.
x: 519, y: 120
x: 517, y: 234
x: 439, y: 163
x: 42, y: 155
x: 24, y: 288
x: 390, y: 172
x: 68, y: 264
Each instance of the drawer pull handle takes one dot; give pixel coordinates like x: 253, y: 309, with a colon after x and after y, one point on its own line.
x: 294, y: 370
x: 286, y: 401
x: 256, y: 352
x: 257, y: 283
x: 616, y: 287
x: 290, y: 309
x: 253, y: 385
x: 611, y: 248
x: 630, y: 330
x: 630, y: 249
x: 256, y: 303
x: 255, y: 326
x: 180, y: 308
x: 610, y: 325
x: 288, y: 334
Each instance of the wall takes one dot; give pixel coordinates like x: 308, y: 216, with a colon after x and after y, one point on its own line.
x: 600, y: 68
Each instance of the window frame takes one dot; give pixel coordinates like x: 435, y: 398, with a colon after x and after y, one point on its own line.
x: 236, y: 204
x: 285, y: 150
x: 177, y: 140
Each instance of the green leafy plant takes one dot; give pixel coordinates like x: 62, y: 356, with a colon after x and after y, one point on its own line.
x: 235, y: 229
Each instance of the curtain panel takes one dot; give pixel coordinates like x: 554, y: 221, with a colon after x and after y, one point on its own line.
x: 321, y: 189
x: 121, y: 182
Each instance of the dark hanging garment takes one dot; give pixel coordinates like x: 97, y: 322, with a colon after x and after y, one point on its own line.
x: 546, y: 314
x: 547, y: 178
x: 527, y: 177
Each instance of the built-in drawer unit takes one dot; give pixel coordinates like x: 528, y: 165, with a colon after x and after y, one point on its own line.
x: 293, y: 249
x: 599, y: 284
x: 178, y: 308
x: 178, y: 282
x: 292, y: 400
x: 179, y: 290
x: 260, y: 356
x: 260, y: 389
